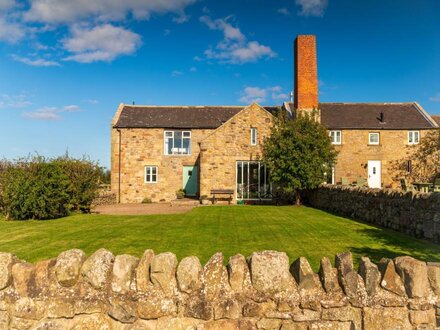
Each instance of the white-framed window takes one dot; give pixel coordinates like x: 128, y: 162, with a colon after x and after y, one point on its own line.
x: 336, y: 137
x: 151, y: 174
x: 177, y: 142
x: 253, y: 136
x: 413, y: 137
x: 373, y: 138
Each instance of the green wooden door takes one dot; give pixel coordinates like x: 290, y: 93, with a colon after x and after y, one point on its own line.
x: 190, y: 182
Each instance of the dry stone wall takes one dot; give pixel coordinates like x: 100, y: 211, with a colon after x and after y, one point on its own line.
x: 263, y: 291
x: 413, y: 213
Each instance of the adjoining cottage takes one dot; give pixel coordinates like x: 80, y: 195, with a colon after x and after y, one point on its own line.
x: 157, y: 150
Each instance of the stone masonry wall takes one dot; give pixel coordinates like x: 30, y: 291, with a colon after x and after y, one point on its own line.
x: 416, y: 214
x: 355, y: 152
x: 230, y: 143
x: 142, y: 147
x: 263, y: 291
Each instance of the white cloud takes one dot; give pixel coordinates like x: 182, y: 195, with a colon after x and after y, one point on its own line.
x: 92, y: 101
x: 234, y: 48
x: 284, y: 11
x: 101, y: 43
x: 182, y: 18
x: 71, y: 108
x: 6, y: 5
x: 35, y: 62
x: 312, y: 7
x: 10, y: 31
x: 435, y: 98
x: 46, y: 113
x: 69, y: 11
x: 193, y: 69
x: 176, y: 73
x: 15, y: 101
x: 166, y: 32
x: 261, y: 95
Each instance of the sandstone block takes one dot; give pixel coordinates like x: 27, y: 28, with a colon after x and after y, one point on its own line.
x: 304, y: 275
x: 60, y: 308
x: 177, y: 323
x: 123, y: 311
x: 92, y: 322
x: 434, y: 276
x: 344, y: 314
x: 7, y: 260
x: 45, y: 279
x: 295, y: 326
x: 163, y: 272
x: 123, y: 273
x: 423, y: 317
x: 189, y: 273
x: 270, y: 272
x: 199, y: 308
x: 269, y: 324
x: 23, y: 274
x: 414, y: 274
x: 68, y: 267
x: 4, y: 319
x: 143, y: 282
x: 344, y: 263
x: 155, y: 306
x: 97, y: 268
x: 239, y: 275
x: 391, y: 281
x: 386, y: 318
x: 329, y: 277
x: 331, y: 325
x: 215, y: 276
x: 220, y: 325
x: 371, y: 275
x: 29, y: 309
x: 227, y: 309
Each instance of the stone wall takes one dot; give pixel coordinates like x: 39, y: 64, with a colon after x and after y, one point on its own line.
x: 355, y: 152
x: 413, y: 213
x: 263, y: 291
x: 230, y: 143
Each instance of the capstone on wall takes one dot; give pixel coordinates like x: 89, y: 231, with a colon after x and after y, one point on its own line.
x: 355, y: 152
x: 230, y: 143
x: 264, y: 291
x: 416, y: 214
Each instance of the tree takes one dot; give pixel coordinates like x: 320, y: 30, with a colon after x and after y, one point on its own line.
x: 424, y: 159
x: 299, y: 154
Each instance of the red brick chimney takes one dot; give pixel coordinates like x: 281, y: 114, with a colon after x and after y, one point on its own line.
x: 306, y: 73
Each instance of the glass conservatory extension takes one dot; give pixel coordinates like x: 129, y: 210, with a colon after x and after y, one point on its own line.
x: 253, y: 181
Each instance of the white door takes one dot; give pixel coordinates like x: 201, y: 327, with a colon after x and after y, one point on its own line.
x: 374, y: 174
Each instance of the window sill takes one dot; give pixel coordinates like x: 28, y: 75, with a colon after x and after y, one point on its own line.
x: 374, y: 145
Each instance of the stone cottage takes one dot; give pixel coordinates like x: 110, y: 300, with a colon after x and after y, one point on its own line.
x: 157, y: 150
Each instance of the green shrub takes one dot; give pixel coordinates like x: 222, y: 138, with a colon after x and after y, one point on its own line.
x: 34, y: 190
x: 180, y: 193
x: 84, y: 180
x: 146, y: 200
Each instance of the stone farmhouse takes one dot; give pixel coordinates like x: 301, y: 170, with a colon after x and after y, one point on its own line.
x: 157, y: 150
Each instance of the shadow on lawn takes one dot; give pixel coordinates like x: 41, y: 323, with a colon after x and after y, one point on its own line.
x: 393, y: 243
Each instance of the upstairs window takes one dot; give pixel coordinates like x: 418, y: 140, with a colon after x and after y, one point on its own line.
x: 177, y: 142
x: 253, y: 136
x: 413, y: 137
x: 374, y: 138
x: 336, y: 137
x: 150, y: 174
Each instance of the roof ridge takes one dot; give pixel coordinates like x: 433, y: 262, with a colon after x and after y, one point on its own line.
x: 381, y: 103
x: 183, y: 106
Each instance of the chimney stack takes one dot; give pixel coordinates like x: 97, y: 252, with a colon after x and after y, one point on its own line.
x: 306, y: 74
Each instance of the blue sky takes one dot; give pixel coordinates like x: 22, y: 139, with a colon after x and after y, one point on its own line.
x: 66, y: 65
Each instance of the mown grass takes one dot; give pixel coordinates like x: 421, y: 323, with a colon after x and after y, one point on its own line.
x: 299, y: 231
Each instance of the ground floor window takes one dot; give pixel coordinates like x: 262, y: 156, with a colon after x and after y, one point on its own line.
x: 253, y: 180
x: 150, y: 174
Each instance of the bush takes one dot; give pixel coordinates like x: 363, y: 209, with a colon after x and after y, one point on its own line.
x: 84, y: 180
x: 146, y: 200
x: 180, y: 193
x: 37, y: 188
x: 34, y: 190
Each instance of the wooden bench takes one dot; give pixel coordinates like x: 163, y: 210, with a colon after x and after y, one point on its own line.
x: 229, y: 192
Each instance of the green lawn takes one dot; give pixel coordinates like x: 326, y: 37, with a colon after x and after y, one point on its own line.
x: 299, y: 231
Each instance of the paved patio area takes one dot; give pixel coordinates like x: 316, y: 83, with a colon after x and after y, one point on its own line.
x: 141, y: 209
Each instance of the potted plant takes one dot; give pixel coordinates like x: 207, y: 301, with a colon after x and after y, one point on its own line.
x: 204, y: 200
x: 180, y: 194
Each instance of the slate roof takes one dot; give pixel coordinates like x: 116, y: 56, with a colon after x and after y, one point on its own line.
x: 436, y: 119
x: 333, y: 115
x: 367, y: 116
x: 178, y: 116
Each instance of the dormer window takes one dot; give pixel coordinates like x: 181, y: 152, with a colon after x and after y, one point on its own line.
x: 253, y: 136
x: 177, y: 142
